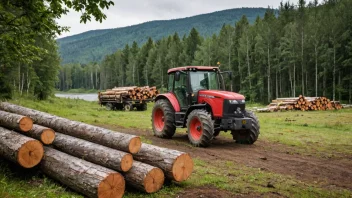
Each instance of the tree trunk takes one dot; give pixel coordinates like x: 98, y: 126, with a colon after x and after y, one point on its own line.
x: 145, y: 177
x: 97, y: 154
x: 334, y: 76
x: 291, y: 86
x: 44, y: 134
x: 302, y: 59
x: 112, y: 139
x: 324, y: 82
x: 82, y: 176
x: 20, y: 149
x: 249, y: 69
x: 339, y: 90
x: 294, y: 79
x: 268, y: 74
x: 239, y: 69
x: 316, y: 70
x: 350, y: 87
x: 15, y: 122
x: 176, y: 165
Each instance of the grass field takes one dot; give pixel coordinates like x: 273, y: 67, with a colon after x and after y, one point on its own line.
x: 323, y: 134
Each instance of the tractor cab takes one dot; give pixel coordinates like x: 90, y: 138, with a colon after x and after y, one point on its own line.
x: 197, y: 100
x: 186, y: 82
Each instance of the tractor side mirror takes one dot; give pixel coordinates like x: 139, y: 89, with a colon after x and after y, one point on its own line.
x: 177, y: 76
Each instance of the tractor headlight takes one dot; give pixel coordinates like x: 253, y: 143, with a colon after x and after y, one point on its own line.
x: 233, y: 101
x: 237, y: 101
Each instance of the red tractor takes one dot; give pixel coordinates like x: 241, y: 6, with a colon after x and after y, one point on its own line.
x: 197, y: 99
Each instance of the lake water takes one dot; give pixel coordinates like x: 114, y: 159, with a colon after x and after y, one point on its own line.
x: 87, y: 97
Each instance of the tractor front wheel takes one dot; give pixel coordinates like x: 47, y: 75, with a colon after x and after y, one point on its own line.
x: 200, y: 128
x: 163, y: 119
x: 248, y: 136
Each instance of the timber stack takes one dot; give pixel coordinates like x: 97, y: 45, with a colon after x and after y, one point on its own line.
x: 303, y: 104
x: 132, y: 93
x: 106, y: 160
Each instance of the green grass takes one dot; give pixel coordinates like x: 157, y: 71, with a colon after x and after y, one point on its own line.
x: 323, y: 133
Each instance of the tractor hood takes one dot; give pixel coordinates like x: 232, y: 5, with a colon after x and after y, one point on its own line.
x: 221, y: 94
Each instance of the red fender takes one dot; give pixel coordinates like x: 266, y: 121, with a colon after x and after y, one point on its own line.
x: 172, y: 98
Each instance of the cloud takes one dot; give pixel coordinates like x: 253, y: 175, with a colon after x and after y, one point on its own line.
x: 131, y: 12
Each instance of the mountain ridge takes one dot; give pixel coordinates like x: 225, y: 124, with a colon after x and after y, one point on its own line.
x: 93, y: 45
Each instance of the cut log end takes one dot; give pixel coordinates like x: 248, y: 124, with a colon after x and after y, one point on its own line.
x: 126, y: 162
x: 154, y: 180
x: 135, y: 145
x: 30, y: 154
x: 182, y: 167
x: 112, y: 186
x: 26, y: 124
x: 48, y: 136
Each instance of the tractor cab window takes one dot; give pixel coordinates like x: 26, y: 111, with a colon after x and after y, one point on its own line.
x: 180, y: 89
x: 204, y: 80
x: 170, y: 82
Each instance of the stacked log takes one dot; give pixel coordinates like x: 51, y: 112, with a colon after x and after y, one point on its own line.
x: 20, y: 149
x: 129, y: 93
x: 302, y: 103
x: 176, y: 165
x: 85, y: 177
x: 112, y: 139
x: 87, y: 167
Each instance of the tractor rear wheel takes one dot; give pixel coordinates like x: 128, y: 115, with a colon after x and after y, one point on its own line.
x: 200, y: 128
x: 163, y: 119
x: 248, y: 136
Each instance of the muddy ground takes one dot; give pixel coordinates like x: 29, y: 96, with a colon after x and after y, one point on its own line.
x: 329, y: 173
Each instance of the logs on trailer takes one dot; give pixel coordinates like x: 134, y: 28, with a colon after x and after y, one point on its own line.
x: 112, y: 139
x: 20, y: 149
x: 302, y: 103
x: 94, y: 153
x: 133, y: 93
x: 176, y: 165
x: 44, y: 134
x: 87, y: 178
x: 145, y: 177
x: 15, y: 121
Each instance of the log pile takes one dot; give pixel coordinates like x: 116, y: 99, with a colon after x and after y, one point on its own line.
x: 303, y: 104
x: 91, y: 160
x: 129, y: 93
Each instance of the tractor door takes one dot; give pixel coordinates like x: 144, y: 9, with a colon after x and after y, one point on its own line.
x: 181, y: 89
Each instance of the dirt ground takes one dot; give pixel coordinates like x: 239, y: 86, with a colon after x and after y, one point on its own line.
x: 268, y: 156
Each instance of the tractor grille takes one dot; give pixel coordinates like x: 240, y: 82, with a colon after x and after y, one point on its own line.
x: 229, y: 109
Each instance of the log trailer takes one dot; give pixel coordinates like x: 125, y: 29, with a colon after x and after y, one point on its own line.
x: 197, y: 100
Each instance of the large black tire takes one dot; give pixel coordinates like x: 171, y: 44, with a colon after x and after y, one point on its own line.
x: 109, y: 106
x: 142, y: 107
x: 163, y: 119
x: 248, y: 136
x: 128, y: 107
x: 216, y: 133
x: 200, y: 128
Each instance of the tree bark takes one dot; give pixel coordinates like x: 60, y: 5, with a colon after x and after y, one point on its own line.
x: 268, y: 74
x: 176, y: 165
x: 20, y: 149
x: 44, y: 134
x: 316, y: 70
x: 334, y: 76
x: 145, y: 177
x: 15, y: 122
x: 249, y: 69
x: 97, y: 154
x: 112, y: 139
x: 84, y: 177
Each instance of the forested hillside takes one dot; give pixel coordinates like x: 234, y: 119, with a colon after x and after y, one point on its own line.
x: 305, y: 49
x: 94, y: 45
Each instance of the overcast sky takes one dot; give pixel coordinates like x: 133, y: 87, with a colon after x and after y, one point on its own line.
x: 131, y: 12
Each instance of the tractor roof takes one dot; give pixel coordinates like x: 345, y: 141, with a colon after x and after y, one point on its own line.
x: 204, y: 68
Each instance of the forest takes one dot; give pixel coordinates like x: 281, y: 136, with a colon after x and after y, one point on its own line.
x: 303, y: 48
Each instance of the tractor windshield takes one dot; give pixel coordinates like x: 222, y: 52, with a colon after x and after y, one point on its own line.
x: 204, y: 80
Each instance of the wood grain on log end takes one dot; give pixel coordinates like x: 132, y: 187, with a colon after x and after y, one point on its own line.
x: 182, y: 167
x: 25, y: 124
x: 113, y: 186
x: 30, y: 154
x: 126, y: 162
x: 47, y: 136
x: 134, y: 145
x: 154, y: 180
